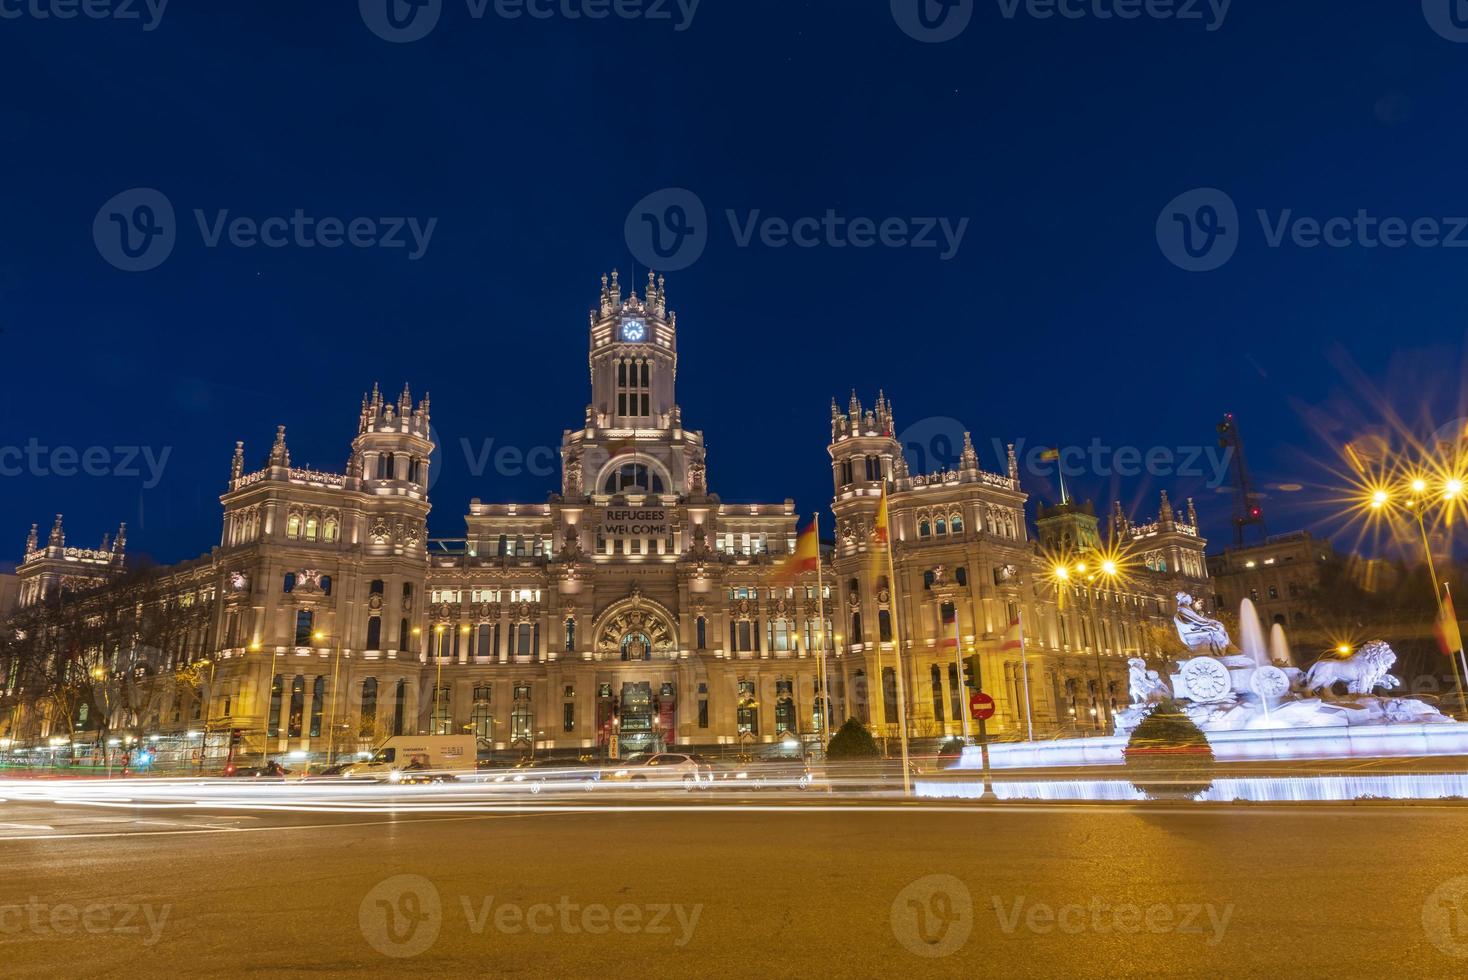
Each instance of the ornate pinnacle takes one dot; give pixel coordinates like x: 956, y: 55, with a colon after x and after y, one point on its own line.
x: 1165, y: 514
x: 58, y: 537
x: 279, y: 454
x: 1013, y: 465
x: 237, y: 465
x: 33, y: 540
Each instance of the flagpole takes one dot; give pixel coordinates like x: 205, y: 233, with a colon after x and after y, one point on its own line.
x: 1024, y: 669
x: 822, y: 634
x: 896, y: 654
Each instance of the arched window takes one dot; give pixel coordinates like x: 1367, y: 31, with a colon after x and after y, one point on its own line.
x: 884, y: 624
x: 326, y: 584
x: 289, y: 583
x: 924, y: 528
x: 293, y: 526
x: 956, y: 523
x: 331, y: 529
x: 635, y: 477
x: 855, y: 628
x: 311, y: 528
x: 701, y: 628
x: 374, y: 633
x: 941, y: 526
x: 570, y: 635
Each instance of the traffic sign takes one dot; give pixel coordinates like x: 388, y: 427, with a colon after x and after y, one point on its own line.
x: 981, y: 706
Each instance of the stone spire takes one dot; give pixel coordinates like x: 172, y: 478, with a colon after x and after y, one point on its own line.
x: 968, y: 460
x: 119, y: 543
x: 279, y: 454
x: 1192, y: 514
x: 1013, y: 465
x: 33, y: 540
x: 615, y: 295
x: 901, y: 478
x: 237, y: 465
x: 853, y: 410
x: 1121, y: 528
x: 1165, y: 515
x: 58, y: 536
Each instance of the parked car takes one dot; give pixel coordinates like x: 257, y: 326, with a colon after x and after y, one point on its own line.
x: 663, y: 767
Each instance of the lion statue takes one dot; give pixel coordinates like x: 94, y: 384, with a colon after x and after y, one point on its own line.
x: 1146, y: 686
x: 1363, y: 671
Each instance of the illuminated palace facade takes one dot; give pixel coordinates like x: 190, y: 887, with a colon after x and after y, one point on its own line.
x: 633, y: 609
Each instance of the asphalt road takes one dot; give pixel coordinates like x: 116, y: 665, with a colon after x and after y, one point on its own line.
x: 654, y: 886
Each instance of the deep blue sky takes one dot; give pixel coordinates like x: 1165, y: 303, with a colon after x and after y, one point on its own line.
x: 1059, y: 321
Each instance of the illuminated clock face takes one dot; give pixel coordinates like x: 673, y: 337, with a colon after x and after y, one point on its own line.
x: 634, y: 330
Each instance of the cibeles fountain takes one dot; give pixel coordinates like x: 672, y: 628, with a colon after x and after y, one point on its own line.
x: 1253, y: 703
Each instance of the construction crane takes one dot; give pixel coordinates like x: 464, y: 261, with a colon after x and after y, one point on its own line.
x: 1248, y: 512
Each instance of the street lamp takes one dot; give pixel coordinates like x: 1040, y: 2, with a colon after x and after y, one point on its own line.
x: 1110, y: 569
x: 1381, y: 499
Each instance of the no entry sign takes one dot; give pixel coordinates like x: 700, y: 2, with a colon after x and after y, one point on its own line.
x: 981, y: 706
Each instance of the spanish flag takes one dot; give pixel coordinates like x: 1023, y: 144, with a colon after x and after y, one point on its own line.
x: 1449, y: 637
x: 1014, y: 636
x: 805, y: 558
x: 1050, y: 455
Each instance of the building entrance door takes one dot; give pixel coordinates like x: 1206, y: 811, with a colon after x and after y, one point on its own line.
x: 636, y: 715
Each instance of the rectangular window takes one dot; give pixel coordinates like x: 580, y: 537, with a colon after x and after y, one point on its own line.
x: 703, y: 713
x: 303, y: 627
x: 568, y: 718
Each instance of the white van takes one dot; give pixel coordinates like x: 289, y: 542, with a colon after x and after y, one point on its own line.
x: 435, y: 756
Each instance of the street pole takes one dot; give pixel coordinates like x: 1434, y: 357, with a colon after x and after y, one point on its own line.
x: 1437, y: 594
x: 983, y: 723
x: 331, y: 718
x: 958, y: 665
x: 892, y: 594
x: 824, y: 636
x: 1024, y: 669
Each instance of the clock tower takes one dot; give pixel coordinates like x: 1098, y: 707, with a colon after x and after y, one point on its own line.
x: 633, y: 441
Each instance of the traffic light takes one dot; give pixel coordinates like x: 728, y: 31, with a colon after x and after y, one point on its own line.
x: 971, y: 672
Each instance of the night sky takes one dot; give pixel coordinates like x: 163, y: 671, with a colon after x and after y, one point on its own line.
x: 1059, y: 320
